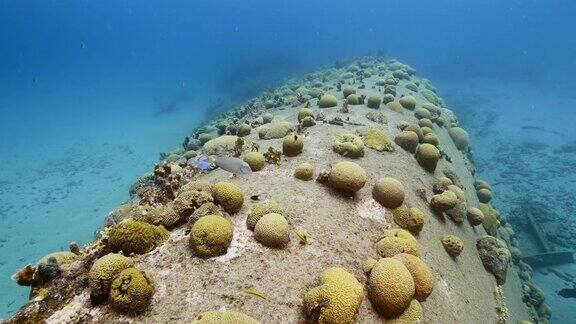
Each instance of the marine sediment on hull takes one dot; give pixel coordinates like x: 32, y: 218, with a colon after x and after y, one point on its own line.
x: 367, y: 241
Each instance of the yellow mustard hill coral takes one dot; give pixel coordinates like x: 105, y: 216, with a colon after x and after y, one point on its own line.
x: 427, y: 156
x: 327, y: 101
x: 210, y: 236
x: 444, y: 201
x: 475, y: 216
x: 408, y: 140
x: 348, y: 145
x: 130, y: 236
x: 260, y: 209
x: 390, y: 287
x: 292, y: 144
x: 255, y: 160
x: 397, y: 241
x: 272, y: 230
x: 103, y: 271
x: 490, y: 221
x: 305, y: 112
x: 460, y: 137
x: 131, y: 291
x: 220, y: 145
x: 63, y: 259
x: 348, y: 90
x: 408, y: 102
x: 229, y: 196
x: 373, y: 102
x: 389, y: 192
x: 304, y: 171
x: 453, y: 245
x: 224, y: 317
x: 421, y: 274
x: 275, y: 130
x: 413, y: 314
x: 336, y: 300
x: 409, y: 218
x: 347, y: 176
x: 377, y: 139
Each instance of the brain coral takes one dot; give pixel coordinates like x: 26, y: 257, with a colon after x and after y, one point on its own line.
x: 377, y: 139
x: 267, y: 118
x: 458, y: 212
x: 444, y: 201
x: 416, y: 129
x: 431, y: 138
x: 327, y: 101
x: 427, y: 156
x: 272, y: 230
x: 220, y: 145
x: 229, y: 196
x: 255, y: 160
x: 495, y: 257
x: 390, y: 287
x: 422, y: 113
x: 130, y: 236
x: 347, y: 176
x: 336, y: 300
x: 490, y: 221
x: 103, y: 271
x: 475, y: 216
x: 244, y: 129
x: 305, y: 112
x: 275, y: 130
x: 412, y: 314
x: 394, y: 105
x: 292, y: 144
x: 453, y: 244
x: 373, y: 102
x: 348, y: 90
x: 223, y: 317
x: 408, y: 102
x: 397, y: 241
x: 260, y: 209
x: 131, y: 291
x: 187, y: 201
x: 407, y: 140
x: 348, y: 145
x: 460, y: 137
x: 63, y: 259
x: 484, y: 195
x: 352, y: 99
x: 421, y: 273
x: 389, y: 192
x: 409, y: 218
x: 210, y: 236
x: 304, y: 171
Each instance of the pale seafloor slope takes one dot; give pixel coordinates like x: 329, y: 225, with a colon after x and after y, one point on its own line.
x: 339, y: 220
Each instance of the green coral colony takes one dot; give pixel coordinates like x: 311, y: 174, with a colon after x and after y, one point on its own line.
x: 176, y: 200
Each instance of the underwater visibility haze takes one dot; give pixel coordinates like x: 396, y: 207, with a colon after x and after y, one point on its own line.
x: 171, y: 144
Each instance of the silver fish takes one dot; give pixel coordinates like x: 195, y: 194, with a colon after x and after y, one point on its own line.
x: 233, y: 165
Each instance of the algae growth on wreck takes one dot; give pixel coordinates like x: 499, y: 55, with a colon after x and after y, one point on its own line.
x: 321, y: 163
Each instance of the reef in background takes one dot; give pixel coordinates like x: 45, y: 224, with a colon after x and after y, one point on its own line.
x: 395, y: 226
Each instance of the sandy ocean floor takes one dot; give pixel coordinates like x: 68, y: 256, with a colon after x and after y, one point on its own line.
x: 341, y: 231
x: 522, y: 127
x: 74, y: 166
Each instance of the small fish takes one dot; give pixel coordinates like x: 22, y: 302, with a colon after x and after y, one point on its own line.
x: 256, y: 293
x: 301, y: 236
x: 233, y: 165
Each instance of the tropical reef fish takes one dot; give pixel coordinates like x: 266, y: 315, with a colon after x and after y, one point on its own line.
x: 231, y: 164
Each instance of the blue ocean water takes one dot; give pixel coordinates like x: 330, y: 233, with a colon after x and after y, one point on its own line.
x: 92, y: 91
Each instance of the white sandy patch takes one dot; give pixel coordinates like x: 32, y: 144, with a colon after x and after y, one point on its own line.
x: 241, y: 241
x: 368, y: 208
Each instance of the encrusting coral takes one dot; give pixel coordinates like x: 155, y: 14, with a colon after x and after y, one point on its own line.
x: 377, y: 139
x: 223, y: 317
x: 229, y: 196
x: 210, y: 236
x: 336, y: 300
x: 130, y: 236
x: 131, y: 291
x: 495, y: 257
x: 348, y: 145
